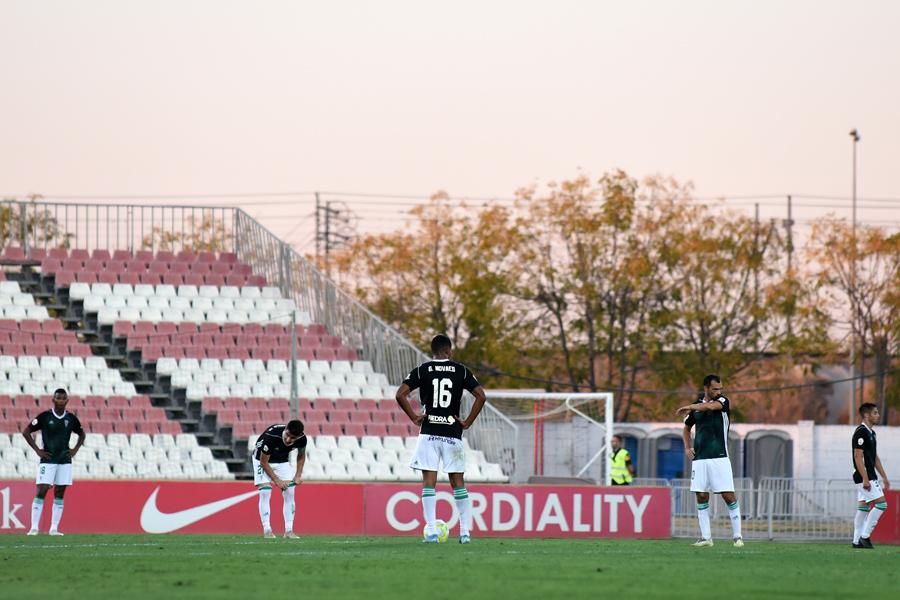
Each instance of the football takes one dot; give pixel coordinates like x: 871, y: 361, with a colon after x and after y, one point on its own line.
x: 442, y: 530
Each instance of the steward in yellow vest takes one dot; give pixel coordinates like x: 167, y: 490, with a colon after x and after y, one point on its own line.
x: 621, y: 469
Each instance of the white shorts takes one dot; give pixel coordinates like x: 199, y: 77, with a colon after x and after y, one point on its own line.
x: 712, y: 475
x: 283, y: 470
x: 434, y: 450
x: 874, y: 492
x: 51, y: 474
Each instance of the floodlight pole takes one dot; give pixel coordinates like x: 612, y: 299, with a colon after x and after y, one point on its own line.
x: 854, y: 135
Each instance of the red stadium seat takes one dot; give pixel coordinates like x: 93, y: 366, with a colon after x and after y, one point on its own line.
x: 354, y: 429
x: 366, y: 404
x: 80, y: 254
x: 398, y: 429
x: 228, y: 257
x: 50, y: 265
x: 144, y: 255
x: 104, y: 427
x: 326, y: 354
x: 186, y: 256
x: 57, y: 349
x: 376, y: 429
x: 257, y: 280
x: 170, y: 427
x: 60, y: 253
x: 148, y: 427
x: 165, y: 256
x: 94, y: 265
x: 213, y: 279
x: 180, y: 267
x: 127, y: 427
x: 382, y: 417
x: 206, y: 257
x: 118, y: 402
x: 131, y: 278
x: 201, y: 268
x: 222, y: 268
x: 331, y: 429
x: 106, y: 277
x: 158, y: 267
x: 80, y: 350
x: 5, y: 401
x: 100, y: 254
x: 122, y: 255
x: 344, y: 353
x: 150, y: 278
x: 236, y: 279
x: 51, y: 326
x: 175, y: 279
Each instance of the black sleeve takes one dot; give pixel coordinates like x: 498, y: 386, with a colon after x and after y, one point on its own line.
x: 39, y: 421
x: 301, y: 445
x: 689, y: 419
x: 76, y: 426
x: 412, y: 380
x: 471, y: 382
x: 726, y: 404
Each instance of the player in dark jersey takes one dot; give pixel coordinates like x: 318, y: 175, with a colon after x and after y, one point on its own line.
x: 866, y: 468
x: 711, y: 467
x: 56, y: 427
x: 272, y: 466
x: 441, y: 383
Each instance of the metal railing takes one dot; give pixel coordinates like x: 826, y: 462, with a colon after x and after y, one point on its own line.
x: 775, y: 509
x: 39, y: 224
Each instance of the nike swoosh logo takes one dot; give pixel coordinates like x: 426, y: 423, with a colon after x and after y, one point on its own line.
x: 155, y: 521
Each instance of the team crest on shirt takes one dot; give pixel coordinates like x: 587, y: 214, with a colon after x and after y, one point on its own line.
x: 859, y: 442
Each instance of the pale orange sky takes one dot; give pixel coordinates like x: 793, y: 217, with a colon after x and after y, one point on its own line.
x: 114, y: 98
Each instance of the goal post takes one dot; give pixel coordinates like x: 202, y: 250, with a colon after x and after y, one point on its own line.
x: 535, y: 434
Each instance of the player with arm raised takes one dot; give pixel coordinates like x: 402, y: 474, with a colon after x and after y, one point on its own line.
x: 710, y: 466
x: 441, y: 383
x: 56, y: 427
x: 272, y: 466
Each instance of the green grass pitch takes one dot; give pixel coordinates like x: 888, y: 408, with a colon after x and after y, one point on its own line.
x: 190, y: 566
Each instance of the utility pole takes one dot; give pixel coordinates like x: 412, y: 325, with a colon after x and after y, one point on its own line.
x: 854, y: 135
x: 789, y: 227
x: 335, y: 227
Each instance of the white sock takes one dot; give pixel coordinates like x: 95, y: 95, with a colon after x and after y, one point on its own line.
x: 874, y: 515
x: 429, y: 503
x: 859, y: 522
x: 703, y: 517
x: 734, y: 513
x: 37, y: 507
x: 288, y: 509
x: 264, y: 495
x: 56, y: 514
x: 464, y: 507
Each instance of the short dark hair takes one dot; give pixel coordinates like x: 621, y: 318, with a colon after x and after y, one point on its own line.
x: 710, y: 378
x: 295, y: 427
x: 617, y: 437
x: 60, y: 391
x: 866, y: 407
x: 440, y: 343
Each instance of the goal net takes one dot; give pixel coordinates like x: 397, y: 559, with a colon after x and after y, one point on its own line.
x: 541, y: 435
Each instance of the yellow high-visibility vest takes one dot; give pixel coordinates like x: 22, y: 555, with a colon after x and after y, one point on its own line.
x: 618, y: 467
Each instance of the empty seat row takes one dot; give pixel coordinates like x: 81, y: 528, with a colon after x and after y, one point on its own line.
x: 94, y: 304
x: 182, y: 378
x: 126, y: 328
x: 76, y: 402
x: 199, y: 391
x: 16, y: 336
x: 19, y: 313
x: 80, y: 291
x: 99, y: 388
x: 136, y: 265
x: 108, y: 316
x: 212, y: 404
x: 33, y: 326
x: 37, y: 254
x: 168, y: 366
x: 65, y: 279
x: 69, y: 363
x: 153, y: 353
x: 16, y: 299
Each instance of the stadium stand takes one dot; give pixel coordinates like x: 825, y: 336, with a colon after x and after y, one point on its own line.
x: 176, y: 362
